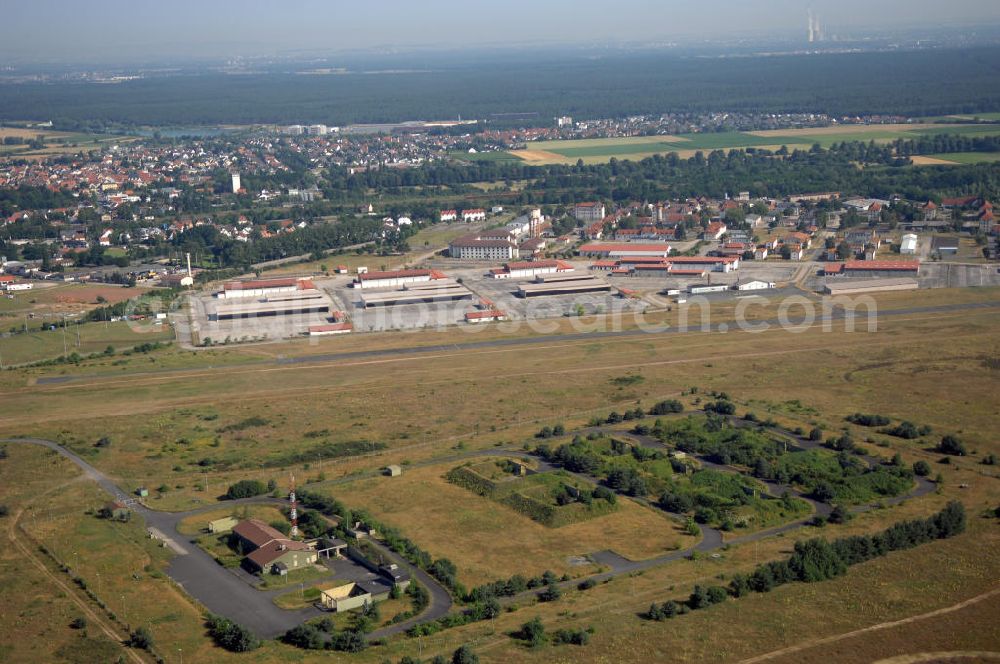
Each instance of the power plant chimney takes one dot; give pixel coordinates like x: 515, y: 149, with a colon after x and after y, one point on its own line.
x: 815, y: 32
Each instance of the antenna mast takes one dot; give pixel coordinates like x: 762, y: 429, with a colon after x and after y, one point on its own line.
x: 294, y: 511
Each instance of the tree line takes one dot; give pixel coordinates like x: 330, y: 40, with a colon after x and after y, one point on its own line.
x: 819, y: 560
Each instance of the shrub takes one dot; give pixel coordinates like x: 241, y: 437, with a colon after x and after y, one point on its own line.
x: 951, y: 445
x: 550, y: 594
x: 576, y: 637
x: 464, y: 655
x: 246, y: 489
x: 141, y: 639
x: 868, y: 420
x: 533, y: 632
x: 722, y: 407
x: 907, y: 430
x: 305, y: 636
x: 921, y: 468
x: 231, y: 636
x: 717, y: 594
x: 349, y: 641
x: 667, y: 407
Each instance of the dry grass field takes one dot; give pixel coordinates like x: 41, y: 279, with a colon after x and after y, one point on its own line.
x: 488, y: 541
x: 935, y: 368
x: 63, y: 298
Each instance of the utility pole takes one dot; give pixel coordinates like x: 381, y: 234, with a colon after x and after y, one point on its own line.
x: 64, y: 334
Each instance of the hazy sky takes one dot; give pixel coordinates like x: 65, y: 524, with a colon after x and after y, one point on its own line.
x: 120, y: 29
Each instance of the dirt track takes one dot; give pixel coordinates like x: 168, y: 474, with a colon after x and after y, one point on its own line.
x: 805, y: 645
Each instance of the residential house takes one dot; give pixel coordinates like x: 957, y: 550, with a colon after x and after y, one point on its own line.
x: 476, y: 214
x: 714, y: 231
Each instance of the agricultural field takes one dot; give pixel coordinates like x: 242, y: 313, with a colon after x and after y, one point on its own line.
x: 54, y: 142
x: 967, y: 157
x: 685, y: 145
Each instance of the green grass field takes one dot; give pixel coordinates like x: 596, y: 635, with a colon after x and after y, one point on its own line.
x: 81, y: 339
x: 597, y: 150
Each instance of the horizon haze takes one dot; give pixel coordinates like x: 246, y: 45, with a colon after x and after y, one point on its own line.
x: 117, y: 31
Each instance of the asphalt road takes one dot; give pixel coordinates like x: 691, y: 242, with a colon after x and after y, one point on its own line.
x: 543, y: 339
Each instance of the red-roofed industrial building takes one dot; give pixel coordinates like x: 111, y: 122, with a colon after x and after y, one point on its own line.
x: 485, y: 316
x: 881, y: 266
x: 394, y: 278
x: 528, y: 269
x: 631, y: 249
x: 330, y: 329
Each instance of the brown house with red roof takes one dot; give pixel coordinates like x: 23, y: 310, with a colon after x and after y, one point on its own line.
x: 269, y: 550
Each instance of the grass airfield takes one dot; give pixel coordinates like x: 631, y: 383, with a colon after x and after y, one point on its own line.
x: 934, y: 369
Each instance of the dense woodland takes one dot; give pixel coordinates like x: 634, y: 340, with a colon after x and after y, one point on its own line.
x: 535, y: 90
x: 857, y: 168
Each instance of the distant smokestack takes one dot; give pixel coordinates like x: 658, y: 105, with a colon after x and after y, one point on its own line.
x: 189, y: 264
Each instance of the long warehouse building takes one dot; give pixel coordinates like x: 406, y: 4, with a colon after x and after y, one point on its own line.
x: 445, y: 293
x: 308, y: 303
x: 264, y: 287
x: 563, y: 285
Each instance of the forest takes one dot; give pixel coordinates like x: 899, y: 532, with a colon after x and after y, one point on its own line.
x: 857, y: 168
x: 501, y: 88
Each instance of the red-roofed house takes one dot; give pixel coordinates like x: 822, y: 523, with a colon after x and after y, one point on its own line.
x: 715, y: 230
x: 476, y: 214
x: 269, y: 549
